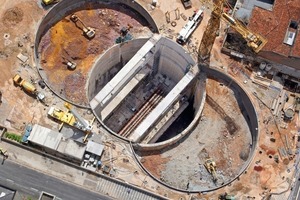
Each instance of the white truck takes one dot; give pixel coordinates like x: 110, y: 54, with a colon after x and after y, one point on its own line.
x: 190, y: 27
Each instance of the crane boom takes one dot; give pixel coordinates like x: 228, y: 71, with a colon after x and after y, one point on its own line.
x: 83, y: 124
x: 254, y: 40
x: 210, y: 33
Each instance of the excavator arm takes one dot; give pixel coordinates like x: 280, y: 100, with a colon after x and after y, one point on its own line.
x: 210, y: 33
x: 254, y: 40
x: 87, y: 31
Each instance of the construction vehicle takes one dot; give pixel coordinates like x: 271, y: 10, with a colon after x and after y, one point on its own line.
x: 210, y: 166
x: 49, y: 2
x: 28, y: 87
x: 62, y: 116
x: 190, y: 27
x: 124, y: 34
x: 254, y: 40
x: 72, y: 118
x: 186, y: 3
x: 70, y: 64
x: 87, y: 31
x: 81, y: 123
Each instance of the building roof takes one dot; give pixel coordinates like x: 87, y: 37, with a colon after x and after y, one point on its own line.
x: 274, y: 25
x: 45, y: 137
x: 72, y: 149
x: 94, y: 148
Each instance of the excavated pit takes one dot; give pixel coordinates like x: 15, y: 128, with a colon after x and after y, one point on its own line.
x: 59, y: 41
x: 58, y: 37
x: 227, y: 133
x: 168, y: 66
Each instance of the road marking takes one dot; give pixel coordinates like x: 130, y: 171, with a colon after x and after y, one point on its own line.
x: 9, y: 180
x: 34, y: 189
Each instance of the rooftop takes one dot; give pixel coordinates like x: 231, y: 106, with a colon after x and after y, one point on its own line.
x: 71, y: 148
x: 45, y: 137
x: 277, y: 26
x: 94, y: 148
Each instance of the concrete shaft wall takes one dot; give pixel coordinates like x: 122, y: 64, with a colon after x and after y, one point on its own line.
x: 169, y: 59
x: 66, y: 7
x: 174, y: 61
x: 169, y: 56
x: 249, y: 110
x: 199, y: 95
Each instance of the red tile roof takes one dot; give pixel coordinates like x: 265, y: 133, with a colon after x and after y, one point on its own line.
x: 274, y: 24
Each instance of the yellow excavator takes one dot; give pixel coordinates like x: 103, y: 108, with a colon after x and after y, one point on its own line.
x: 210, y: 165
x: 254, y: 40
x: 49, y: 2
x: 88, y: 32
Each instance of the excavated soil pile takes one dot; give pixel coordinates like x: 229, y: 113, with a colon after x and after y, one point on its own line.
x: 13, y: 16
x: 65, y: 42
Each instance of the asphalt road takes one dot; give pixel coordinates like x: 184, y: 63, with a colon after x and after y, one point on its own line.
x: 31, y: 182
x: 295, y: 193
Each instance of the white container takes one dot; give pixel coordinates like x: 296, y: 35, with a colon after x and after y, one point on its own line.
x: 262, y: 65
x: 268, y: 67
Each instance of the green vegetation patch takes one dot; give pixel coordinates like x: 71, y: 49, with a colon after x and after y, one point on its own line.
x: 13, y: 136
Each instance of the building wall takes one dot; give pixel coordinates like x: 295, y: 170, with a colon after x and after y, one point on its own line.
x: 289, y: 66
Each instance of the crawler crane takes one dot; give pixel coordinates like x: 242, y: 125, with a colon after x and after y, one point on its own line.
x: 80, y: 123
x: 254, y: 40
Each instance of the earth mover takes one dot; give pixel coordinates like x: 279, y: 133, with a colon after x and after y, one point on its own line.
x: 210, y: 165
x: 28, y: 87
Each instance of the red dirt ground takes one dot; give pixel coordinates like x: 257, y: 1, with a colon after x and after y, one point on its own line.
x: 65, y: 40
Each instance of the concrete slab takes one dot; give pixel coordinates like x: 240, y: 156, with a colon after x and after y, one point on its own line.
x: 45, y: 137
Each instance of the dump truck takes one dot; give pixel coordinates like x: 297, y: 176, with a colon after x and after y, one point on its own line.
x: 27, y: 87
